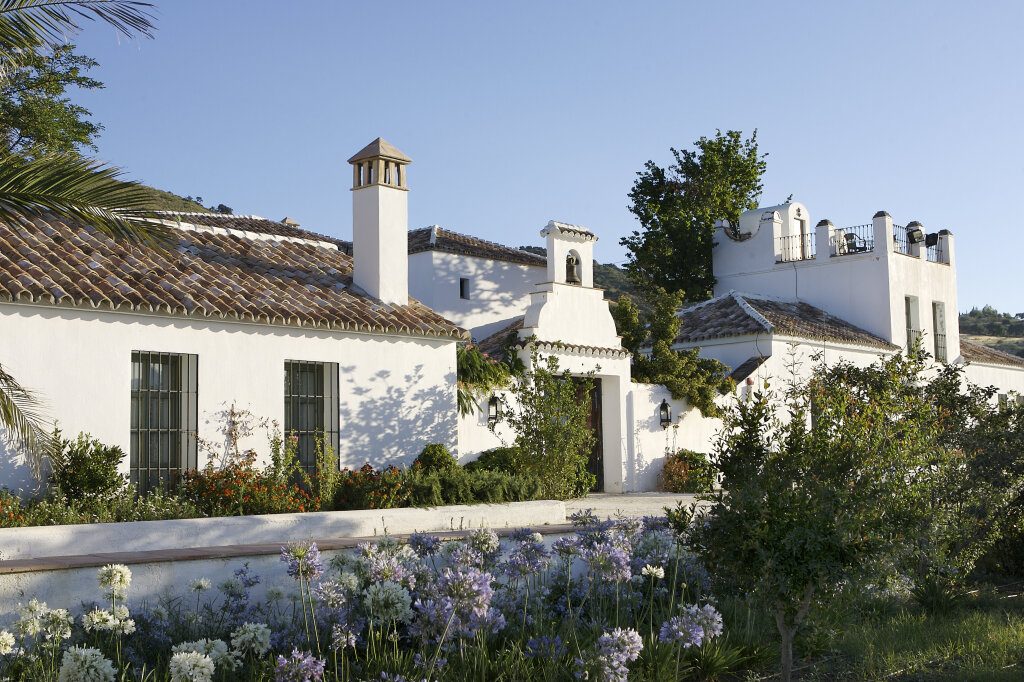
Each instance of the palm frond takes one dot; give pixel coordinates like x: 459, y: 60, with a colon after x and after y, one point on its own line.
x: 28, y: 24
x: 80, y: 190
x: 22, y: 419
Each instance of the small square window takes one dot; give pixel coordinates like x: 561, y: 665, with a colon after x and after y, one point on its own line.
x: 464, y: 288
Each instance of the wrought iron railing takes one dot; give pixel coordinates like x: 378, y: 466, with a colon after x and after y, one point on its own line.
x: 936, y: 254
x: 940, y: 347
x: 900, y: 240
x: 913, y: 338
x: 855, y: 239
x: 795, y: 247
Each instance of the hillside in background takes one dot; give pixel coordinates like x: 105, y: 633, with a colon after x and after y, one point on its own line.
x: 994, y: 329
x: 167, y: 201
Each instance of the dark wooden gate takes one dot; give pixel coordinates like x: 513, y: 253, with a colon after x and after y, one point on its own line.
x: 595, y: 458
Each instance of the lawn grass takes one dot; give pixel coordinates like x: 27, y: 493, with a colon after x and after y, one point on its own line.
x: 981, y: 639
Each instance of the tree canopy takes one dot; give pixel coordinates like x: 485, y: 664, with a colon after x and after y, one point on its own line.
x: 678, y: 207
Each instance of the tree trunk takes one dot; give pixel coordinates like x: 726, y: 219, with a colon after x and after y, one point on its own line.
x: 788, y: 631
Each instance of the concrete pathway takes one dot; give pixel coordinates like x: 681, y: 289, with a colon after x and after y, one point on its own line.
x: 610, y: 505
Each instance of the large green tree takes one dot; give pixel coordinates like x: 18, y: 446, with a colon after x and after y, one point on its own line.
x: 48, y: 181
x: 678, y: 207
x: 36, y: 114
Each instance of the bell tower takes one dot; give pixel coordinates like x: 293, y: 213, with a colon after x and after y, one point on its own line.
x: 380, y: 222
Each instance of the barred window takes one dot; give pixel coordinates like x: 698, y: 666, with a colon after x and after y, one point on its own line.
x: 163, y: 419
x: 311, y: 407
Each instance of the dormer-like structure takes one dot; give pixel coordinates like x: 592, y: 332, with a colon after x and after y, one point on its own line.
x: 380, y: 222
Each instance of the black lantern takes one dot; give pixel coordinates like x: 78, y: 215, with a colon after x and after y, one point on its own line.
x: 665, y: 414
x: 493, y: 410
x: 915, y: 235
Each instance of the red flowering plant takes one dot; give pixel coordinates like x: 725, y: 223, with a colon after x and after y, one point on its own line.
x: 11, y: 514
x: 368, y: 488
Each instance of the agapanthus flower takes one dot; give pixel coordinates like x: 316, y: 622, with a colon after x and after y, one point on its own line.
x: 6, y: 642
x: 528, y: 558
x: 424, y: 544
x: 342, y: 637
x: 115, y: 578
x: 199, y: 584
x: 301, y: 666
x: 251, y: 638
x: 191, y: 666
x: 614, y: 649
x: 303, y: 559
x: 566, y: 547
x: 708, y: 618
x: 388, y: 601
x: 656, y: 572
x: 460, y: 606
x: 545, y: 647
x: 82, y: 664
x: 331, y: 594
x: 216, y: 649
x: 682, y: 630
x: 608, y: 562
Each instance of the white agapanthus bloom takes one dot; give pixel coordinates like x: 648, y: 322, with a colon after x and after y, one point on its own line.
x: 200, y: 584
x: 484, y: 540
x: 98, y: 619
x: 251, y: 638
x: 708, y: 618
x: 349, y: 581
x: 115, y: 577
x: 6, y: 642
x: 216, y: 649
x: 387, y: 601
x: 30, y: 620
x: 56, y: 624
x: 81, y: 664
x: 653, y: 571
x: 537, y: 538
x: 191, y: 666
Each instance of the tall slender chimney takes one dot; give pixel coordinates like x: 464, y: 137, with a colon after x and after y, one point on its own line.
x: 380, y: 222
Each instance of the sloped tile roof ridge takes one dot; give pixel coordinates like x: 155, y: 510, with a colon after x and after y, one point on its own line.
x: 741, y: 299
x: 976, y: 352
x: 567, y: 227
x: 437, y: 238
x: 252, y: 226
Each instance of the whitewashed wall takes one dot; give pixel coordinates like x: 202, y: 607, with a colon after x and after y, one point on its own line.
x: 1004, y: 378
x: 499, y: 291
x: 396, y: 393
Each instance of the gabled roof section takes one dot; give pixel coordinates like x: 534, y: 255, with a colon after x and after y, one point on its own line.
x: 380, y: 147
x: 199, y: 273
x: 975, y: 352
x: 495, y: 344
x: 735, y: 314
x: 566, y: 228
x: 437, y: 238
x: 747, y: 367
x: 254, y: 224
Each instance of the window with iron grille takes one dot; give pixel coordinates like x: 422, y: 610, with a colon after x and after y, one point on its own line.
x: 311, y: 408
x: 939, y: 325
x: 164, y: 416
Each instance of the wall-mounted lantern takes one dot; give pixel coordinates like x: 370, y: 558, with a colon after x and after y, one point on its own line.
x: 493, y: 410
x: 665, y: 414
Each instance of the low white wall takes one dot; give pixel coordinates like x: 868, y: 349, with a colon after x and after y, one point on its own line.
x: 40, y: 541
x: 1003, y: 377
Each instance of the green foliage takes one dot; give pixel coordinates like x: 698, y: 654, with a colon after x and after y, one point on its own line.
x: 550, y: 422
x: 369, y: 488
x: 496, y: 459
x: 435, y: 457
x: 684, y: 373
x: 479, y: 375
x: 936, y: 594
x: 86, y: 468
x: 686, y: 471
x: 678, y: 207
x: 36, y: 116
x: 240, y: 487
x: 990, y: 322
x: 461, y: 485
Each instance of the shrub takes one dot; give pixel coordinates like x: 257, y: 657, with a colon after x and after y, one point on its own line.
x: 11, y: 512
x: 85, y: 468
x: 368, y: 488
x: 435, y: 457
x: 462, y: 485
x: 241, y: 488
x: 497, y: 459
x: 687, y: 471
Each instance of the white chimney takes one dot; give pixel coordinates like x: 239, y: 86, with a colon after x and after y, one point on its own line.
x: 380, y: 222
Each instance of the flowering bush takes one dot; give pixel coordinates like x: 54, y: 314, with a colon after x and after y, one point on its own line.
x: 369, y: 488
x: 686, y: 471
x: 242, y: 488
x: 615, y: 600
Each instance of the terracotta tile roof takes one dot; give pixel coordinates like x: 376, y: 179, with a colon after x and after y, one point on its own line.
x: 747, y: 367
x: 439, y: 239
x: 200, y: 273
x: 494, y: 345
x: 975, y: 352
x: 736, y: 314
x: 249, y: 223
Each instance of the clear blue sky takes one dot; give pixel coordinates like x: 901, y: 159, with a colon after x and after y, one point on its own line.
x: 517, y: 113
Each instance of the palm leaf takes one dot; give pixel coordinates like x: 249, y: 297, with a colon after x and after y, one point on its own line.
x: 80, y: 190
x: 28, y: 24
x: 22, y: 418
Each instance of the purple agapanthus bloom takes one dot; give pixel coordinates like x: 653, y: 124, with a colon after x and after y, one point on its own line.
x: 614, y: 649
x: 303, y: 559
x: 424, y: 545
x: 460, y: 607
x: 681, y: 630
x: 566, y: 547
x: 521, y: 535
x: 301, y: 666
x: 528, y: 558
x: 546, y: 647
x: 608, y: 562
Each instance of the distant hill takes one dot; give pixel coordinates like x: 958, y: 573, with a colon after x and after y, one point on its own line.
x: 167, y: 201
x: 994, y: 329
